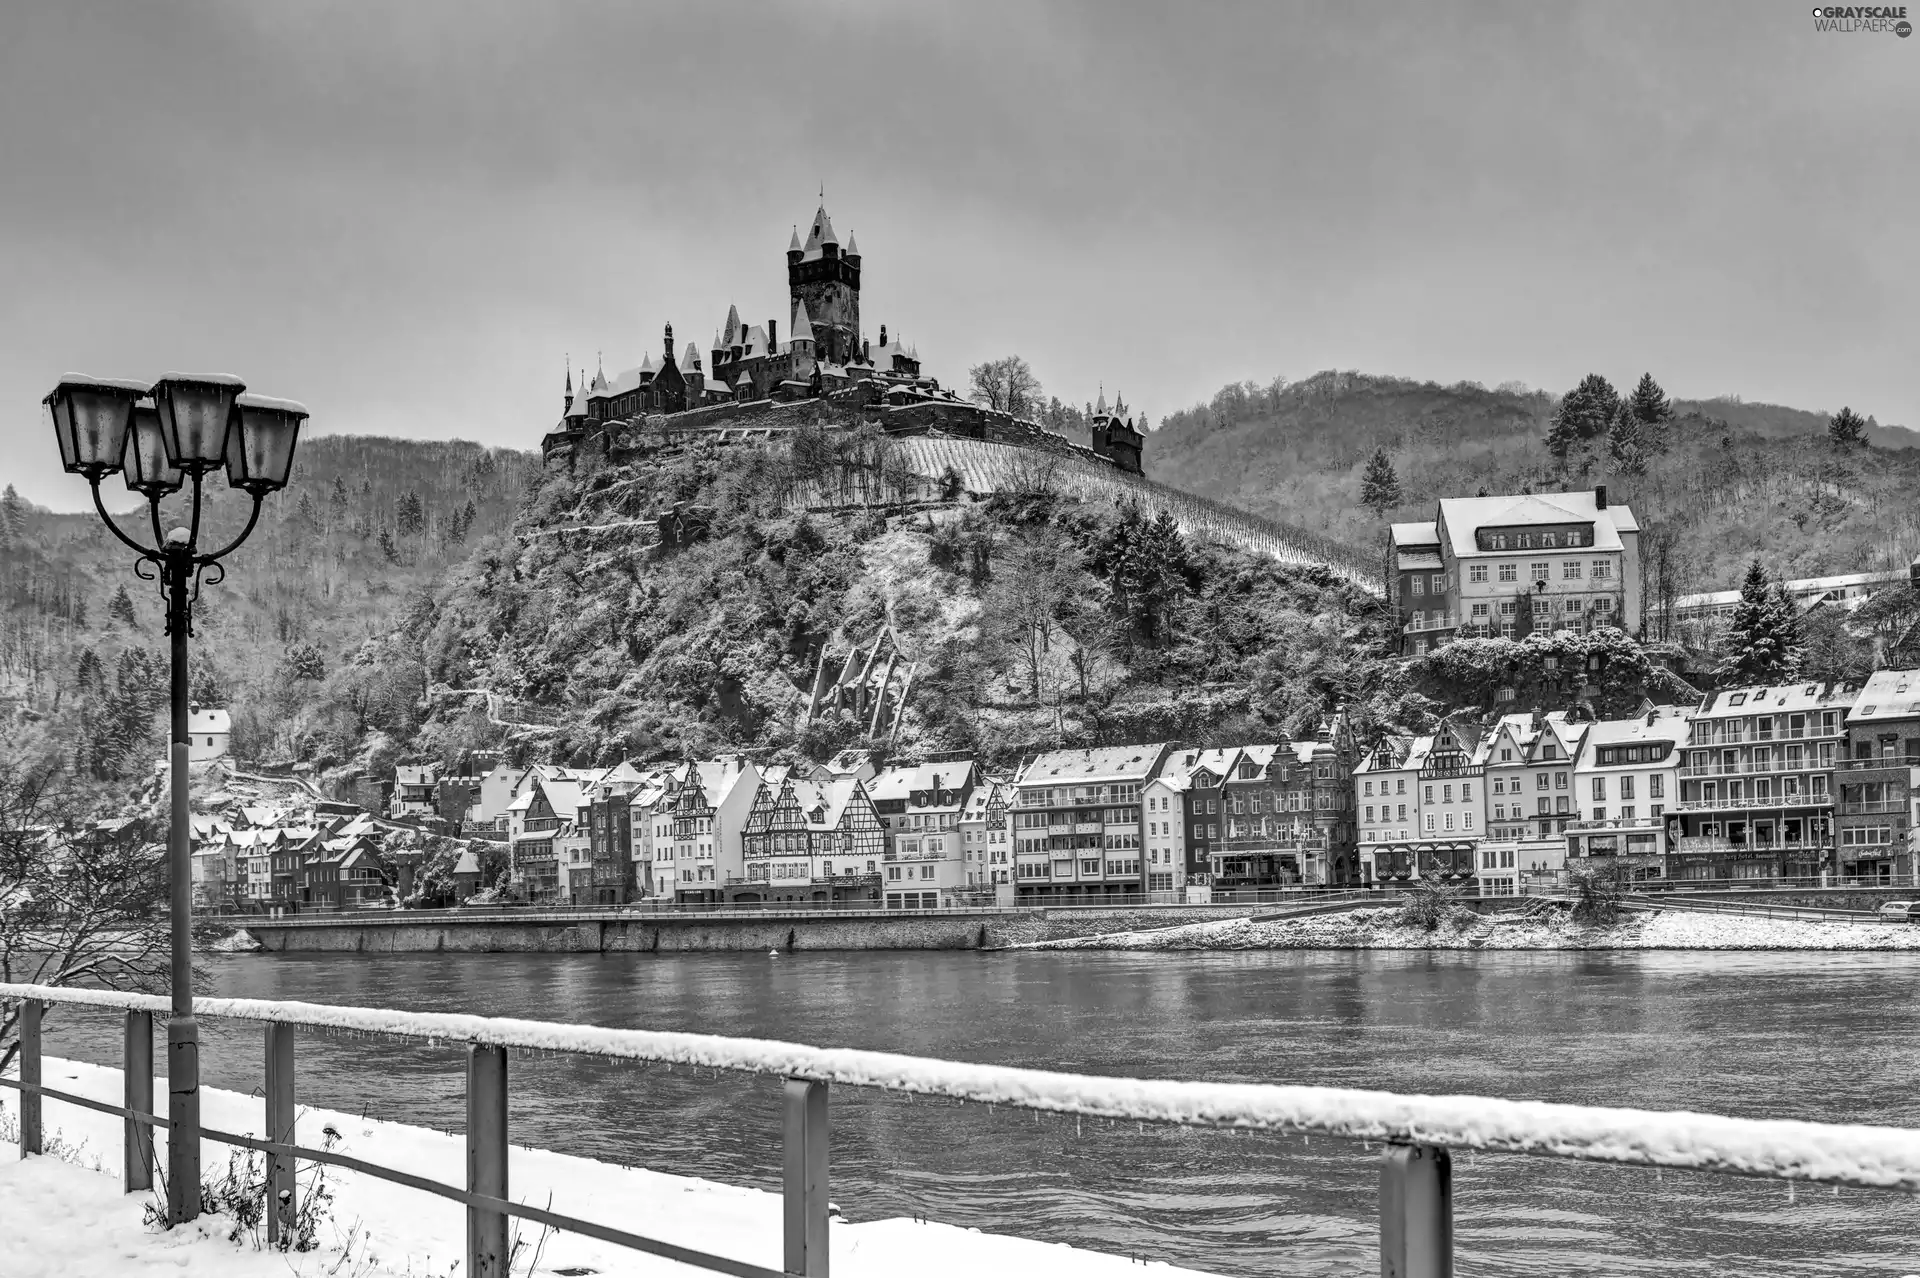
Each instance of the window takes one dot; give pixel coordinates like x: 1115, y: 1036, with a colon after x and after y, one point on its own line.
x: 1626, y: 787
x: 1600, y: 570
x: 1599, y: 787
x: 1466, y: 792
x: 1439, y: 583
x: 1446, y: 794
x: 1540, y: 781
x: 1509, y: 572
x: 1476, y: 573
x: 1369, y: 790
x: 1428, y: 796
x: 1540, y: 571
x: 1429, y: 822
x: 1401, y: 788
x: 1480, y: 613
x: 1499, y: 811
x: 1369, y: 812
x: 1417, y: 585
x: 1403, y: 812
x: 1570, y: 569
x: 1466, y: 820
x: 1449, y: 821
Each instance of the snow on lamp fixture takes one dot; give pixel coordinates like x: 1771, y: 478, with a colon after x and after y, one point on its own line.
x: 148, y: 472
x: 90, y: 416
x: 260, y: 442
x: 196, y: 412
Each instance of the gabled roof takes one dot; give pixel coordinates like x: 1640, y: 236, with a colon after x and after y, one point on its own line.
x: 900, y: 783
x: 209, y: 720
x: 1416, y: 536
x: 1464, y: 516
x: 467, y: 864
x: 1106, y: 763
x: 1887, y: 695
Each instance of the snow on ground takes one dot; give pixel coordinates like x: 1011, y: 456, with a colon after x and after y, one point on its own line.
x: 74, y: 1220
x: 1379, y: 929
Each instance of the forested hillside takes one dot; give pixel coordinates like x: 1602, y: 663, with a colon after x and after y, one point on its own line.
x: 366, y: 526
x: 1732, y: 482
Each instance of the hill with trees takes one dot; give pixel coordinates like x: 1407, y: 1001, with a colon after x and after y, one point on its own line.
x: 1716, y: 484
x: 335, y: 561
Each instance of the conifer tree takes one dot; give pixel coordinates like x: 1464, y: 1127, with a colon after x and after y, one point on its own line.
x: 1845, y: 430
x: 1653, y: 411
x: 388, y: 550
x: 1380, y: 486
x: 120, y: 608
x: 1582, y: 417
x: 1762, y: 644
x: 410, y: 514
x: 1627, y: 442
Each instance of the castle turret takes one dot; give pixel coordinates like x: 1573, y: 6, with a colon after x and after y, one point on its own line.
x: 794, y: 249
x: 828, y: 284
x: 852, y: 253
x: 667, y: 348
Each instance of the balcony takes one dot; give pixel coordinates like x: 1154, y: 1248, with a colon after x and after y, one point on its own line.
x: 1750, y: 801
x: 1879, y: 763
x: 1873, y: 807
x: 1644, y: 825
x: 1766, y: 766
x: 1699, y: 844
x: 1427, y: 625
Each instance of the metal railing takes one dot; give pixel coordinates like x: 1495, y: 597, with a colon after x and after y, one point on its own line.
x: 1416, y: 1181
x: 1755, y: 801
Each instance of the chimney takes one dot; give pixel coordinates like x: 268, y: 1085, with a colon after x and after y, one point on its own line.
x: 1599, y: 496
x: 773, y: 337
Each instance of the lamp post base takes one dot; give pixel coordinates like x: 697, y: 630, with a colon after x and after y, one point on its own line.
x: 183, y: 1111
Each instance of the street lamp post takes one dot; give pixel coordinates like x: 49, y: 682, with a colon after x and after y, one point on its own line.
x: 161, y: 438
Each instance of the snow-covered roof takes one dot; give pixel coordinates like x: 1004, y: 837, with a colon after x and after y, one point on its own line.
x: 1407, y: 536
x: 822, y: 233
x: 802, y: 327
x: 1106, y: 763
x: 853, y: 246
x: 1888, y: 694
x: 794, y: 245
x: 1668, y: 727
x: 692, y: 358
x: 1782, y: 698
x: 1464, y: 516
x: 467, y: 864
x: 209, y: 720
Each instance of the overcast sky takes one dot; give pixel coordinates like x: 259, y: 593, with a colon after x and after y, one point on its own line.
x: 407, y: 215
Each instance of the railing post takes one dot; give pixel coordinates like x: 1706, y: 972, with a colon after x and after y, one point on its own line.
x: 804, y: 1184
x: 281, y: 1207
x: 30, y: 1142
x: 488, y: 1249
x: 136, y: 1089
x: 1416, y: 1212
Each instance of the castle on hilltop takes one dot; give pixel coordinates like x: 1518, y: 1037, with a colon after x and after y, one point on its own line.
x: 824, y: 355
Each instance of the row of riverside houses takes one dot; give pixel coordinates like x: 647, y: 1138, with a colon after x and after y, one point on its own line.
x: 1110, y: 821
x: 263, y: 859
x: 1795, y: 781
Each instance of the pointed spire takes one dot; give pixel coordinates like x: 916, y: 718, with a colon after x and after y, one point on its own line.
x: 853, y: 245
x: 1100, y: 405
x: 569, y: 376
x: 731, y: 333
x: 793, y: 245
x: 802, y: 328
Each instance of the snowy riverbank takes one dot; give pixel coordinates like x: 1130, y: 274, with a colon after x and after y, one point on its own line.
x: 70, y: 1218
x: 1380, y: 929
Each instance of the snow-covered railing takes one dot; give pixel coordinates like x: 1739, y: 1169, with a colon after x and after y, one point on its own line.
x: 1418, y: 1131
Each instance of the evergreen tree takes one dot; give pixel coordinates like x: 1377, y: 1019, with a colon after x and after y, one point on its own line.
x: 13, y: 513
x: 303, y: 661
x: 1845, y: 430
x: 1653, y: 411
x: 411, y: 514
x: 1380, y: 486
x: 1762, y: 644
x: 120, y: 609
x: 338, y: 497
x: 1626, y: 442
x: 1582, y: 417
x: 388, y: 550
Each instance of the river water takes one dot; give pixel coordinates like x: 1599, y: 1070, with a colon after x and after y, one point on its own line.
x: 1831, y: 1037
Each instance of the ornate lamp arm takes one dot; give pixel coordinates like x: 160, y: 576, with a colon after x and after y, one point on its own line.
x: 252, y: 519
x: 193, y: 532
x: 107, y: 519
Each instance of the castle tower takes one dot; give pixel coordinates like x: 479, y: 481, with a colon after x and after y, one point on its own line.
x: 668, y: 347
x: 826, y: 282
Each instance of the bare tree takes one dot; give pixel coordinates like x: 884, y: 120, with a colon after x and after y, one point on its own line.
x: 1006, y: 385
x: 80, y: 898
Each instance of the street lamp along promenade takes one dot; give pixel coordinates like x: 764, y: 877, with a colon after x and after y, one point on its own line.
x: 161, y: 438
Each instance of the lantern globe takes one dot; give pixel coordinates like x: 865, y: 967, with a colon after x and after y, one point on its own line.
x: 148, y: 470
x: 196, y: 412
x: 90, y: 420
x: 261, y: 441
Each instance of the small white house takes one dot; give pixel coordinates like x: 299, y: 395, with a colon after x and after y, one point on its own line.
x: 208, y: 732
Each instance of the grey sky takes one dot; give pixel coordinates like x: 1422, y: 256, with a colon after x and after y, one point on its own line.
x: 405, y: 215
